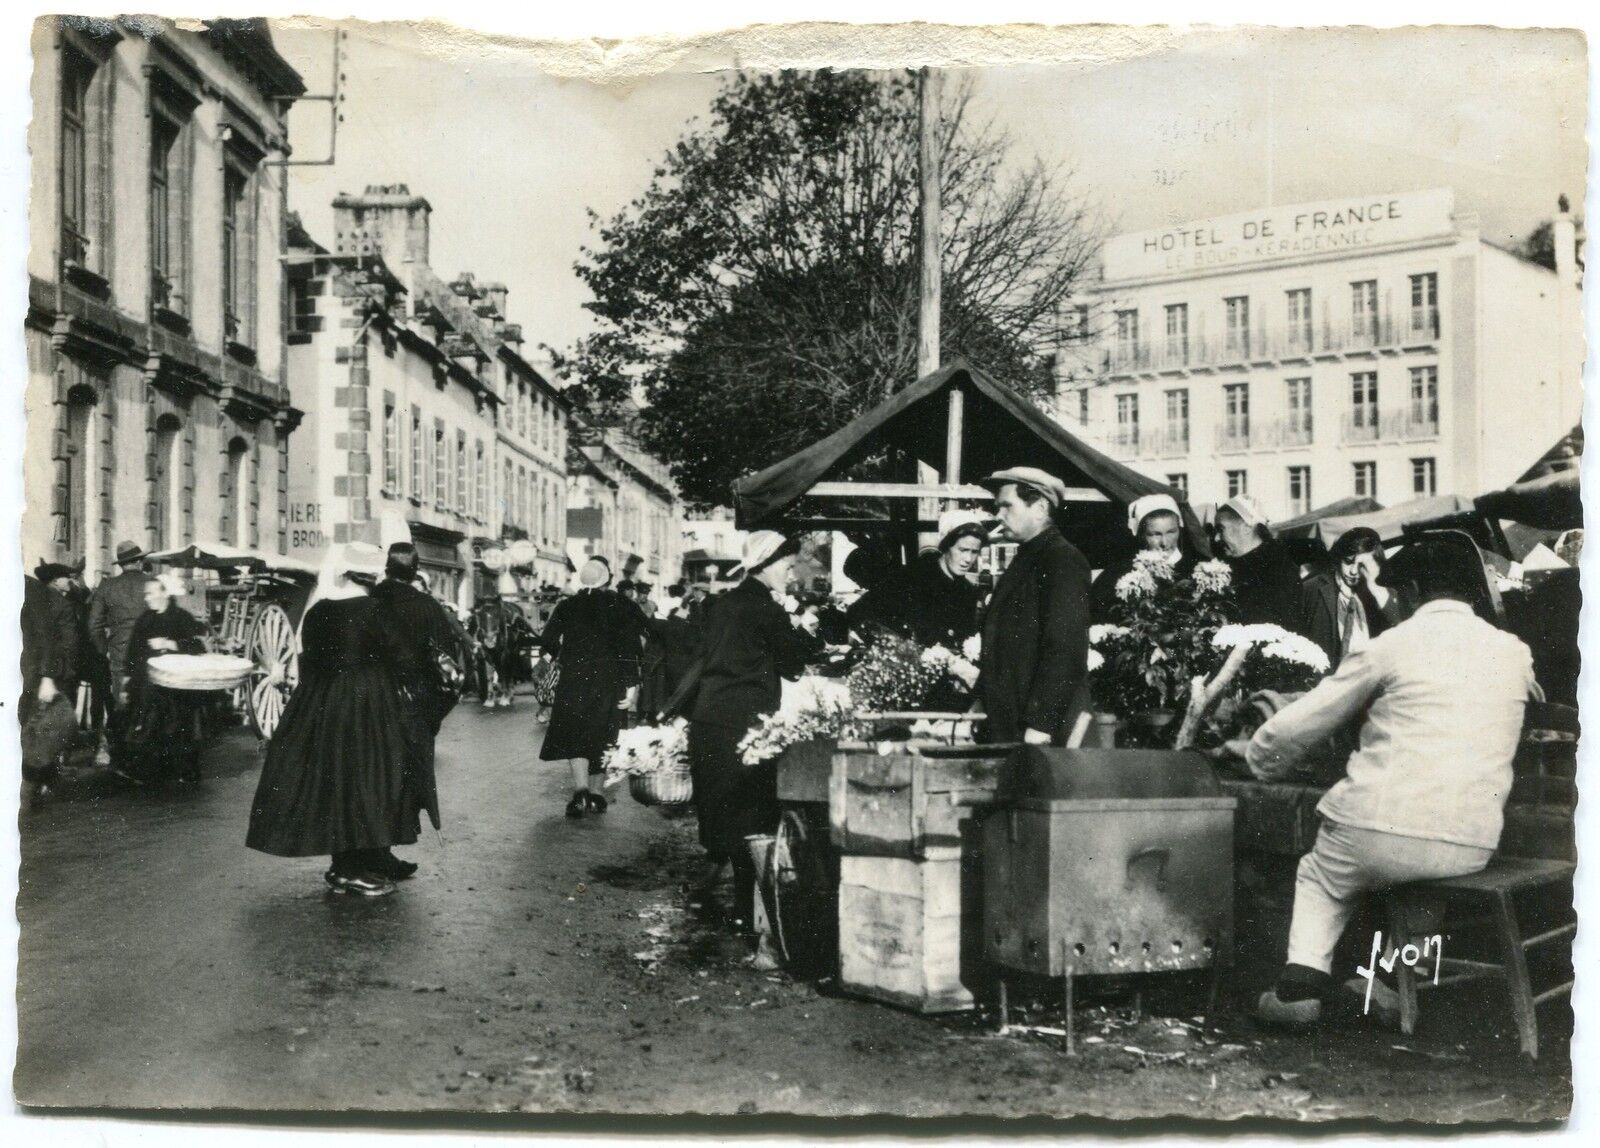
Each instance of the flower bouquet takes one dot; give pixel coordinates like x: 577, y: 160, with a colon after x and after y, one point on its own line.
x: 1248, y: 660
x: 814, y: 708
x: 891, y: 674
x: 1160, y: 638
x: 655, y: 760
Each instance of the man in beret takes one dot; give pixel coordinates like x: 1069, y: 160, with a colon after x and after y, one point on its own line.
x: 1439, y: 701
x: 1034, y: 663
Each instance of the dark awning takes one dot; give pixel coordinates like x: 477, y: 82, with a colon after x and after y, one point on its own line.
x: 1553, y: 502
x: 1304, y: 526
x: 1000, y: 429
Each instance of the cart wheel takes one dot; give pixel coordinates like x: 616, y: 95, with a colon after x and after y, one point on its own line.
x: 277, y: 667
x: 805, y: 895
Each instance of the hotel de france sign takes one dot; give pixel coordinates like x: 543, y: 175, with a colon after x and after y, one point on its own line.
x: 1280, y: 234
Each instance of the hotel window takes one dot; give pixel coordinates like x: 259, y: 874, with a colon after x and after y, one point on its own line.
x: 1364, y: 311
x: 522, y: 499
x: 1425, y: 399
x: 1178, y: 419
x: 1127, y: 335
x: 1238, y: 325
x: 1424, y: 477
x: 1364, y: 404
x: 1238, y: 483
x: 85, y: 162
x: 416, y: 454
x: 1298, y: 402
x: 1299, y: 489
x: 441, y: 465
x: 461, y: 473
x: 480, y: 483
x: 1236, y: 413
x: 239, y: 214
x: 391, y: 446
x: 171, y: 165
x: 1075, y: 323
x: 1366, y: 479
x: 1083, y: 407
x: 508, y: 490
x: 1180, y: 483
x: 1299, y: 325
x: 1178, y: 331
x: 1425, y: 304
x: 1128, y: 420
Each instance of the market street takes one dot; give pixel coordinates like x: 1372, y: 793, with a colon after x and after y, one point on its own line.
x: 539, y: 964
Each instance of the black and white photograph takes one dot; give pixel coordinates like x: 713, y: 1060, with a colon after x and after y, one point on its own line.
x: 900, y: 571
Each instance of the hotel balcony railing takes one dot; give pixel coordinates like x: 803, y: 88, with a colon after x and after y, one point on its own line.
x: 1409, y: 424
x: 1234, y: 437
x: 1416, y: 327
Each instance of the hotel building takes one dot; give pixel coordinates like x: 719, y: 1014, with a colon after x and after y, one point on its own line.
x: 1376, y: 346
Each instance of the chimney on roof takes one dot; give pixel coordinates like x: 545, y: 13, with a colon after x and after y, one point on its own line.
x: 496, y: 293
x: 385, y: 220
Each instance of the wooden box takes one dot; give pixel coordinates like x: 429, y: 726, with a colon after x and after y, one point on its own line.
x: 803, y: 772
x: 900, y: 932
x: 911, y: 802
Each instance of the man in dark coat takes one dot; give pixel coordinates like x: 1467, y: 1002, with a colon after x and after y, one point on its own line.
x: 117, y: 603
x: 1344, y: 607
x: 1034, y: 671
x: 49, y: 667
x: 422, y: 628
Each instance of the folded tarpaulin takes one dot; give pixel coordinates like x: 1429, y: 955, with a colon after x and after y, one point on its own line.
x: 1390, y: 523
x: 1305, y: 525
x: 1000, y: 429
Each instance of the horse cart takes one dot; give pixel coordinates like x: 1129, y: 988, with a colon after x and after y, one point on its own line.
x: 253, y: 604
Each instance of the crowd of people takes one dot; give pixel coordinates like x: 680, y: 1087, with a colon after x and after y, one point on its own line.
x: 1437, y: 697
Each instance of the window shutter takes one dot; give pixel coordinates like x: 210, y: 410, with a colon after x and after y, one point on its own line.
x: 247, y: 259
x: 98, y: 183
x: 179, y: 194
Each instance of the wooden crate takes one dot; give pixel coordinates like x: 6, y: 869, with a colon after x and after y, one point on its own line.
x: 803, y: 772
x: 900, y: 931
x: 907, y: 803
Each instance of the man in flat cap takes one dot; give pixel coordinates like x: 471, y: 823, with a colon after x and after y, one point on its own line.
x: 1034, y: 666
x: 1439, y: 702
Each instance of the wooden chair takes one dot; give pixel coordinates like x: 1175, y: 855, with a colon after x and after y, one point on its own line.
x: 1490, y: 894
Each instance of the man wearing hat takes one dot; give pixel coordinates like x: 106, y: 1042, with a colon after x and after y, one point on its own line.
x: 1345, y: 606
x: 1034, y: 671
x: 1439, y: 702
x: 117, y: 603
x: 419, y: 622
x: 49, y: 667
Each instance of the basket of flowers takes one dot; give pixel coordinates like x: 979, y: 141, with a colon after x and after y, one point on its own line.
x: 655, y: 760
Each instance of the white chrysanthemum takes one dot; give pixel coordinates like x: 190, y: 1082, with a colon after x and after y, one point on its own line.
x: 1300, y: 650
x: 936, y: 656
x: 1096, y: 660
x: 1213, y: 576
x: 1136, y: 583
x: 972, y: 648
x: 1159, y: 563
x: 1100, y: 633
x: 1253, y: 635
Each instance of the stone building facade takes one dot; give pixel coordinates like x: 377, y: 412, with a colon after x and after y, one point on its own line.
x: 157, y: 405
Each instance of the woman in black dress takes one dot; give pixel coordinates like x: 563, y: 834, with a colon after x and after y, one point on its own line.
x: 934, y: 602
x: 1157, y: 524
x: 748, y: 645
x: 1266, y: 581
x: 596, y: 637
x: 164, y: 736
x: 341, y: 777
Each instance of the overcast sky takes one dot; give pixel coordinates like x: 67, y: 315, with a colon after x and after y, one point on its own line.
x: 510, y: 157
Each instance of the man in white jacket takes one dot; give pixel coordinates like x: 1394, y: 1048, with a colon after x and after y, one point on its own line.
x: 1440, y: 702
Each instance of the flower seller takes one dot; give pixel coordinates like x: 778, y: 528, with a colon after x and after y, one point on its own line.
x: 935, y: 601
x: 748, y: 645
x: 1266, y: 581
x: 1439, y: 701
x: 1033, y: 677
x: 1157, y: 526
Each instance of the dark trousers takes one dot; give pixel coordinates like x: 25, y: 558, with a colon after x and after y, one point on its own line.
x: 732, y: 800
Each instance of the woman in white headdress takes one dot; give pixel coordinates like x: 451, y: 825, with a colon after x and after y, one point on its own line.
x: 935, y: 600
x: 341, y: 778
x: 1156, y: 523
x: 596, y: 637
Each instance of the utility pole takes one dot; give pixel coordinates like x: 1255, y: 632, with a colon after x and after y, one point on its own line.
x: 929, y: 250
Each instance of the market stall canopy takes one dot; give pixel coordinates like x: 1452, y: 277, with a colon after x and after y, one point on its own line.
x: 1565, y: 455
x: 1305, y: 525
x: 1390, y: 523
x: 996, y: 429
x: 221, y: 556
x: 1552, y: 502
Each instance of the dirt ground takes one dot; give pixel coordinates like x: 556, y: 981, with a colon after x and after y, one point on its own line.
x: 543, y: 965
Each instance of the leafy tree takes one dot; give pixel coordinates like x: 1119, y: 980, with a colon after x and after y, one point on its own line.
x: 1539, y: 245
x: 763, y: 289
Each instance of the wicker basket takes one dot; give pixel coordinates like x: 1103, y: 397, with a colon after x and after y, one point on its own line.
x: 203, y: 672
x: 667, y: 788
